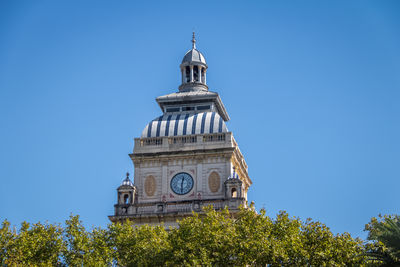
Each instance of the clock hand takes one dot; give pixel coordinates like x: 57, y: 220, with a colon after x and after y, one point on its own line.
x: 182, y: 184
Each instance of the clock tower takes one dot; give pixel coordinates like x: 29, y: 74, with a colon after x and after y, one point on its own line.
x: 186, y: 158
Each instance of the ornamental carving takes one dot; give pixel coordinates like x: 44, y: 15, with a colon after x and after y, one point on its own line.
x: 214, y: 182
x: 150, y: 185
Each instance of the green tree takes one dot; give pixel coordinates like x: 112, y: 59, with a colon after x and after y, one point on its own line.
x: 211, y: 238
x: 384, y: 232
x: 84, y: 248
x: 139, y: 245
x: 204, y: 240
x: 253, y: 243
x: 322, y: 248
x: 287, y: 241
x: 6, y: 238
x: 263, y: 241
x: 36, y: 245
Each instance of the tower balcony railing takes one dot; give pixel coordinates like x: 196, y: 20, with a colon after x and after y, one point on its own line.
x: 176, y: 142
x: 182, y: 139
x: 174, y: 207
x: 153, y: 141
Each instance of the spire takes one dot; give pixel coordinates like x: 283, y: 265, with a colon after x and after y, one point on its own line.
x: 193, y: 42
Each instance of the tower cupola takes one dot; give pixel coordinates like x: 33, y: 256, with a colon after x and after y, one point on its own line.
x: 126, y: 195
x: 193, y: 69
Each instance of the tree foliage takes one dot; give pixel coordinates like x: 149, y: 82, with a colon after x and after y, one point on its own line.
x: 204, y: 241
x: 33, y: 245
x: 212, y: 238
x: 82, y: 248
x: 139, y: 246
x: 384, y: 232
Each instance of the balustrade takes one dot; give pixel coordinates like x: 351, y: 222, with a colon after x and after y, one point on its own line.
x: 186, y: 139
x: 187, y: 206
x: 151, y: 141
x: 213, y: 137
x: 182, y: 139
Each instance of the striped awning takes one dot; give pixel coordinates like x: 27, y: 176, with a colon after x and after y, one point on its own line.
x: 185, y: 124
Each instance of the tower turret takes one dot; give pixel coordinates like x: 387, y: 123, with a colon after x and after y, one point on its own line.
x: 126, y: 196
x: 193, y: 69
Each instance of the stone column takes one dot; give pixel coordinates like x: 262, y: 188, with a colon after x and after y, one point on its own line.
x: 191, y: 74
x: 164, y: 177
x: 137, y: 178
x: 200, y: 71
x: 205, y: 72
x: 228, y: 168
x: 183, y: 71
x: 199, y: 176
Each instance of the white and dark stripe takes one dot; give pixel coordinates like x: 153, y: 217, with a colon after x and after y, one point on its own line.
x: 185, y: 124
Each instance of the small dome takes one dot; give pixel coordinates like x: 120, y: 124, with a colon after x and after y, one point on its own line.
x: 127, y: 181
x: 185, y: 124
x: 194, y: 55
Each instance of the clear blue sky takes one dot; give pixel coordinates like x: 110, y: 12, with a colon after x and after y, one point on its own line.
x: 312, y: 89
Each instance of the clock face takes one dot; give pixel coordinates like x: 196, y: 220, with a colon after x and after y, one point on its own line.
x: 182, y: 183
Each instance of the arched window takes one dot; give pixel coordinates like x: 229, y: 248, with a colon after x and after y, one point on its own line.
x: 126, y: 199
x: 234, y: 193
x: 187, y: 74
x: 195, y: 73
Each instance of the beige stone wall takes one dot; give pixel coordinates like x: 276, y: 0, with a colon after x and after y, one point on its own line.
x: 208, y: 158
x: 163, y: 171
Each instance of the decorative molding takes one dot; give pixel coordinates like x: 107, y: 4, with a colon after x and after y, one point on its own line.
x: 214, y: 182
x: 150, y: 185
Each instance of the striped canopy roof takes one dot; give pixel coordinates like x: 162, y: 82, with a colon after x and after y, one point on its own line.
x: 185, y: 124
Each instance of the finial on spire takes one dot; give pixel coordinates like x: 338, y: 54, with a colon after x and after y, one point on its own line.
x: 127, y: 175
x: 193, y: 42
